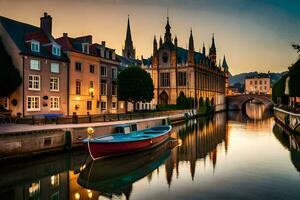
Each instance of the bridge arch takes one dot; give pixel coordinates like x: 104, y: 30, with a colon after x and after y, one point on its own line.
x: 238, y: 102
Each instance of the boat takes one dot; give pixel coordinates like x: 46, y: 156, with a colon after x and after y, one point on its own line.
x: 126, y: 141
x: 115, y: 175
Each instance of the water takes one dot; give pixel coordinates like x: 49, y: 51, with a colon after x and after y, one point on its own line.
x: 228, y: 156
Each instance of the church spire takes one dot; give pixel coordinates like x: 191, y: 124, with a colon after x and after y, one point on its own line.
x: 224, y: 64
x: 213, y: 51
x: 128, y: 51
x: 168, y: 35
x: 191, y: 60
x: 204, y: 49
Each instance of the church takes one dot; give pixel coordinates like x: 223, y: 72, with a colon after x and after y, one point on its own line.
x: 178, y: 71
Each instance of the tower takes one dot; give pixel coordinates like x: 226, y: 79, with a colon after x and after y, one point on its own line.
x: 204, y: 49
x: 128, y: 51
x: 213, y: 51
x: 168, y: 35
x: 191, y: 60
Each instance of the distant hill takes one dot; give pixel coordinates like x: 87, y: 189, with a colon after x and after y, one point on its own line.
x: 240, y: 78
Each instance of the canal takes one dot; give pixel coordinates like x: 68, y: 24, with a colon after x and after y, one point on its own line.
x: 227, y: 156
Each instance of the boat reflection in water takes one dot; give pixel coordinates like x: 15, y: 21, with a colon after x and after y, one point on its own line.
x: 115, y: 176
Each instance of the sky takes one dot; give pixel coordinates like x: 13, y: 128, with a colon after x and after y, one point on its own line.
x: 255, y: 35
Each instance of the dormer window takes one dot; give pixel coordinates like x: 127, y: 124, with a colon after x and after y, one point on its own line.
x: 85, y: 48
x: 56, y: 50
x: 35, y: 46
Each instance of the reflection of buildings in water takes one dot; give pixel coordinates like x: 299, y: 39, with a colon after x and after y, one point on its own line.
x: 199, y: 141
x: 291, y: 142
x: 43, y: 178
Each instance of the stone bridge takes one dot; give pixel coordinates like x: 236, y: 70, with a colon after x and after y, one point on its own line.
x: 238, y: 102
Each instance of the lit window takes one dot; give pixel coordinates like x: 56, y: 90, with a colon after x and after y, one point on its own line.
x: 56, y: 50
x: 34, y: 190
x: 114, y: 73
x: 103, y: 71
x: 54, y: 103
x: 114, y: 105
x: 33, y: 103
x: 35, y: 46
x: 103, y: 105
x: 54, y: 67
x: 34, y: 82
x: 54, y: 84
x: 78, y: 87
x: 35, y: 64
x: 55, y: 180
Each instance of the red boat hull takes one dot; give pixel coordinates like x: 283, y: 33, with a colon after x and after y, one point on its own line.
x: 100, y: 150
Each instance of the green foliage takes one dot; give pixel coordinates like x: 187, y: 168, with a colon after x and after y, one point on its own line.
x: 135, y: 85
x: 294, y: 82
x: 184, y: 102
x: 168, y: 107
x: 205, y: 106
x: 10, y: 78
x: 278, y: 90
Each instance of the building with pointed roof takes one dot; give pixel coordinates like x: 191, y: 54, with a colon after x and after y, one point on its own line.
x: 128, y: 51
x: 42, y: 66
x: 184, y: 71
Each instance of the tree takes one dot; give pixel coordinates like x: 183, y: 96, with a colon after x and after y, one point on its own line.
x: 135, y: 85
x: 10, y: 78
x: 278, y: 90
x: 294, y: 81
x: 296, y: 47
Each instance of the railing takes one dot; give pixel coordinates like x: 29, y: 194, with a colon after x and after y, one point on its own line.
x: 78, y: 119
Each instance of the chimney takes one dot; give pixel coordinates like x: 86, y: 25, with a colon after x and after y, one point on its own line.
x: 46, y: 24
x: 103, y: 43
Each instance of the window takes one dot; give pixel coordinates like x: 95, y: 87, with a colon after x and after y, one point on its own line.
x: 255, y: 82
x: 34, y: 82
x: 33, y: 103
x: 35, y: 46
x: 34, y: 190
x: 6, y: 103
x: 56, y: 50
x: 91, y: 90
x: 54, y: 67
x: 54, y: 103
x: 92, y: 84
x: 265, y: 87
x: 103, y: 88
x: 103, y: 105
x: 260, y: 82
x: 55, y: 180
x: 103, y: 71
x: 54, y: 84
x: 165, y: 79
x: 181, y: 78
x: 250, y: 82
x: 265, y: 82
x: 89, y: 105
x: 78, y: 66
x: 35, y: 64
x: 114, y: 105
x: 92, y: 69
x: 114, y: 90
x: 85, y: 48
x: 78, y: 87
x: 114, y: 73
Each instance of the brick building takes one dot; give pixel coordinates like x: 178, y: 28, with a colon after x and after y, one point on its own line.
x: 42, y: 66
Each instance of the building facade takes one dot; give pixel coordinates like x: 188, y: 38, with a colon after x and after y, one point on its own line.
x: 177, y: 71
x: 260, y: 84
x: 42, y: 66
